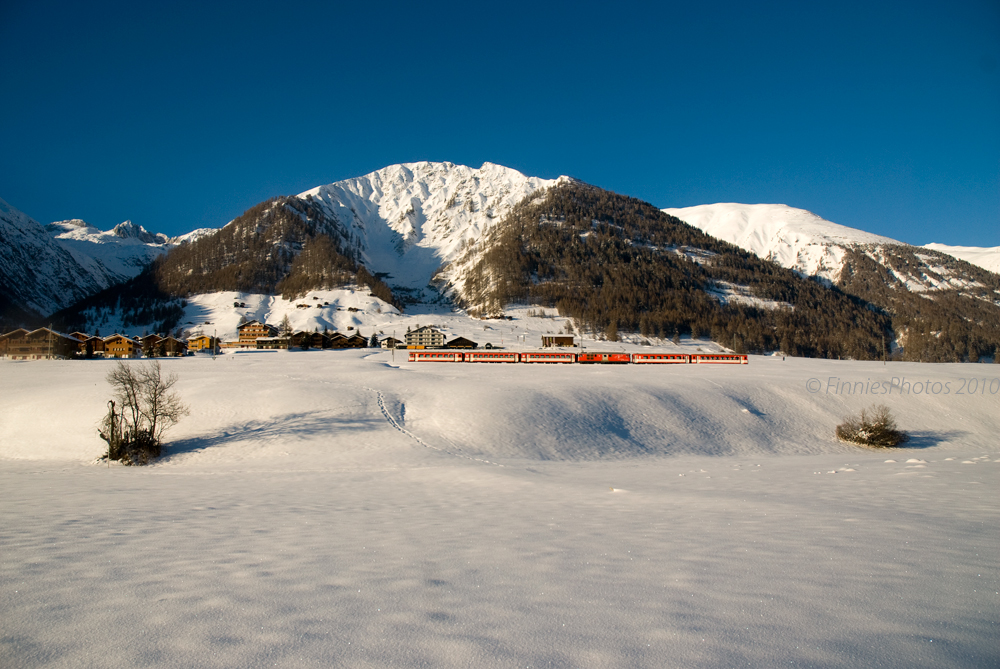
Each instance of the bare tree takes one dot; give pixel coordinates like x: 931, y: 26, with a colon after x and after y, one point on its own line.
x: 144, y: 406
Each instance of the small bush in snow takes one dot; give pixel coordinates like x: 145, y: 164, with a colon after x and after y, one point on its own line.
x: 874, y: 427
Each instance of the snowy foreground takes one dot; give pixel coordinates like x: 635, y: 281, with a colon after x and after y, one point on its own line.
x: 341, y: 508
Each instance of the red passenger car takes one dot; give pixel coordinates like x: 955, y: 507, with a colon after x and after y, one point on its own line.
x: 548, y: 357
x: 491, y: 356
x: 435, y: 356
x: 720, y: 358
x: 661, y: 358
x: 607, y: 358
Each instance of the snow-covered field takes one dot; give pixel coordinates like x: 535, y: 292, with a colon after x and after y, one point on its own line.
x: 348, y: 508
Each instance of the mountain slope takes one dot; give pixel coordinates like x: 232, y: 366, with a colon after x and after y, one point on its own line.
x: 616, y: 263
x: 37, y: 275
x: 943, y: 308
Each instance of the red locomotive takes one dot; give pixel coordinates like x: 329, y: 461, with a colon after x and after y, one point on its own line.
x: 607, y: 358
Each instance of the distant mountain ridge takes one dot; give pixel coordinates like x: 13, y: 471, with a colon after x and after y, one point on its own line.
x: 44, y: 268
x: 489, y: 237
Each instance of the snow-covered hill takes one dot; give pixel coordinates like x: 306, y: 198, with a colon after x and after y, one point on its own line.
x: 982, y: 256
x: 411, y: 219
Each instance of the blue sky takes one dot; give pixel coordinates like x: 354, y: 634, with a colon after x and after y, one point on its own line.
x: 883, y: 116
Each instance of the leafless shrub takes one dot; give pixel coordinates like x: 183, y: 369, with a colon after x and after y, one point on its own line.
x: 143, y: 407
x: 874, y: 427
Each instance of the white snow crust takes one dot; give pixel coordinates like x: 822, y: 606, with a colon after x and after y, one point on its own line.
x: 348, y: 508
x: 982, y: 256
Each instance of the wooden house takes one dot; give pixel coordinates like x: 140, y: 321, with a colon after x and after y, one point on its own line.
x: 120, y: 346
x: 202, y: 343
x: 316, y: 340
x: 40, y: 344
x: 268, y: 343
x: 7, y: 337
x: 150, y: 344
x: 461, y: 342
x: 171, y: 347
x: 92, y: 347
x: 355, y: 341
x: 336, y: 340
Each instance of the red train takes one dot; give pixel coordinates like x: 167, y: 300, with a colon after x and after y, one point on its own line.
x: 595, y: 357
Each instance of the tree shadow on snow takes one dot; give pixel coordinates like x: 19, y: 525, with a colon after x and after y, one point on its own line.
x: 294, y: 425
x: 930, y: 438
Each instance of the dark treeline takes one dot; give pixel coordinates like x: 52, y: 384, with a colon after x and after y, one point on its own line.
x: 140, y: 301
x: 614, y: 263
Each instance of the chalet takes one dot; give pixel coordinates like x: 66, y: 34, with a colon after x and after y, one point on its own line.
x: 355, y: 341
x: 171, y: 347
x: 461, y: 342
x: 336, y: 340
x: 149, y: 344
x: 40, y: 344
x: 92, y: 346
x: 300, y: 339
x: 120, y: 346
x: 391, y: 342
x: 550, y: 341
x: 425, y: 337
x: 202, y: 343
x: 269, y: 343
x: 312, y: 340
x: 7, y: 337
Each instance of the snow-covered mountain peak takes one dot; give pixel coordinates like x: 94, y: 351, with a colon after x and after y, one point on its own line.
x: 129, y: 230
x: 791, y: 237
x: 802, y: 241
x: 416, y: 217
